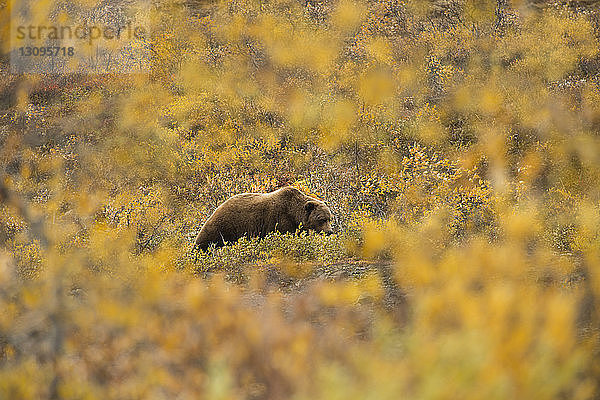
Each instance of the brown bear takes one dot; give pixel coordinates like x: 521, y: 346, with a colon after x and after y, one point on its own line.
x: 256, y: 214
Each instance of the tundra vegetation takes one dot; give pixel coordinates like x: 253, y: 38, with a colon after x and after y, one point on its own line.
x: 457, y: 143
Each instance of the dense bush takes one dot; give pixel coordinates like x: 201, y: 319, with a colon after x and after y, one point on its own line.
x: 456, y: 143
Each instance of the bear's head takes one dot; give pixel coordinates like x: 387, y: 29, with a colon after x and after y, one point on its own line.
x: 317, y: 217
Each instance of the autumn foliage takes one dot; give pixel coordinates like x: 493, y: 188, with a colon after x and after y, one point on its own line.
x: 455, y: 141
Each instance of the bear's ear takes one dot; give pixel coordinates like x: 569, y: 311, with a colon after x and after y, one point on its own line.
x: 311, y: 205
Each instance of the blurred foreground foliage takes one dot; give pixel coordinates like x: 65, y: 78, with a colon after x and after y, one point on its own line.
x: 456, y: 142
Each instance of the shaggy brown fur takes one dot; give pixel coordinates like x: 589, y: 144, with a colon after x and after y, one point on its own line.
x: 256, y: 214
